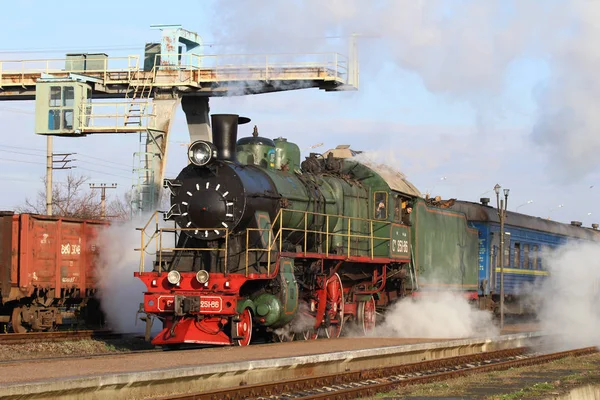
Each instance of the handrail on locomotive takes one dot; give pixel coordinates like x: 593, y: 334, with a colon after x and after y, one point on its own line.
x: 275, y: 239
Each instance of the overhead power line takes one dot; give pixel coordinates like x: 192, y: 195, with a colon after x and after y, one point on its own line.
x: 22, y: 161
x: 139, y: 47
x: 104, y: 173
x: 129, y: 169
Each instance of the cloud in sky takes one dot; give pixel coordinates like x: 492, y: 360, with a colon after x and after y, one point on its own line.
x: 462, y: 49
x: 478, y: 91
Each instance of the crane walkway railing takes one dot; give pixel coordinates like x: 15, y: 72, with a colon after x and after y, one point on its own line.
x: 192, y: 69
x: 113, y: 116
x: 111, y: 70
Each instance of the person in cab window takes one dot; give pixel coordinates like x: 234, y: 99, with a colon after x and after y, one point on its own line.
x: 406, y: 215
x: 380, y: 214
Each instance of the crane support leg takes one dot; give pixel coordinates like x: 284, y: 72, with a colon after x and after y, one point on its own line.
x: 156, y: 150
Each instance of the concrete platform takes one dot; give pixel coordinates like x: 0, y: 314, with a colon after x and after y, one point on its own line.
x: 138, y: 376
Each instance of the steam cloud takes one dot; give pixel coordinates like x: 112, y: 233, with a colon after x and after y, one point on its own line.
x: 460, y: 48
x: 568, y: 300
x: 120, y: 293
x: 436, y: 315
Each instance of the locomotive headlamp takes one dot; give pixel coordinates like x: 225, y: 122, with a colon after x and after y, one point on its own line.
x: 201, y: 152
x: 174, y: 277
x: 202, y: 276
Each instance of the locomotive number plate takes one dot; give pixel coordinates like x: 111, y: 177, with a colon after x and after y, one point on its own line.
x: 210, y: 304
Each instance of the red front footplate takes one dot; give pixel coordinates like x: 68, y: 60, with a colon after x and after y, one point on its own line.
x: 206, y: 331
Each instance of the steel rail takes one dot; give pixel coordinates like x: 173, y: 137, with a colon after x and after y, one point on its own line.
x: 358, y: 384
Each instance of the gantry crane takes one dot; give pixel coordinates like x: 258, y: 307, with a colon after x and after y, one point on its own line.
x: 87, y: 93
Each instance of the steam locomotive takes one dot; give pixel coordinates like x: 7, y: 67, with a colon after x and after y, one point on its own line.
x: 268, y: 246
x: 264, y: 241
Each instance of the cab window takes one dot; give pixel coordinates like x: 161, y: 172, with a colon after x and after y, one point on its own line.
x: 397, y: 208
x: 381, y: 205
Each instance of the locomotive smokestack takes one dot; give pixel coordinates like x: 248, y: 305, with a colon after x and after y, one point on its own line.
x: 224, y: 130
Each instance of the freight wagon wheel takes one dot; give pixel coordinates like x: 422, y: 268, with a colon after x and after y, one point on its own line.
x: 16, y: 321
x: 243, y: 328
x: 335, y: 307
x: 366, y: 316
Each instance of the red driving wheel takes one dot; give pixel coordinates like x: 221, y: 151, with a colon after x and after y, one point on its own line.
x: 243, y: 328
x: 366, y: 316
x: 335, y: 311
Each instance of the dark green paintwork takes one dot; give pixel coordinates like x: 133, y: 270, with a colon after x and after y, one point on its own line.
x: 445, y: 248
x: 256, y: 152
x: 289, y: 292
x: 286, y: 153
x: 277, y: 310
x: 268, y: 308
x: 400, y: 245
x: 263, y: 221
x: 294, y: 191
x: 442, y: 246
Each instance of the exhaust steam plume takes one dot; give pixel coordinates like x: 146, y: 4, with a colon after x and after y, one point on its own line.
x: 462, y: 49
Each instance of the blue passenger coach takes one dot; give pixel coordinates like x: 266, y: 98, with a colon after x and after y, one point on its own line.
x: 526, y: 238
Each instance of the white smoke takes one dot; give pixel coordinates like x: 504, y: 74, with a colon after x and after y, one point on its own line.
x: 463, y: 49
x: 119, y: 291
x: 568, y: 300
x: 436, y: 315
x: 387, y: 159
x: 302, y: 322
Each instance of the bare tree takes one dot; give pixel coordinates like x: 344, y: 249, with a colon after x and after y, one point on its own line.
x: 120, y: 209
x: 72, y: 198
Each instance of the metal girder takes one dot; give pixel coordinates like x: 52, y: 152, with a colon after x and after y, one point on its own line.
x: 219, y: 75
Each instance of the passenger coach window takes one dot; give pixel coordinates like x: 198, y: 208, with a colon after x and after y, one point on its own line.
x: 526, y: 260
x: 534, y: 250
x: 517, y: 262
x: 381, y: 205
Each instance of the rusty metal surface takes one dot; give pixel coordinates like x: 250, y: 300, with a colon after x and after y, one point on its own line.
x: 370, y: 382
x: 6, y: 239
x: 52, y: 253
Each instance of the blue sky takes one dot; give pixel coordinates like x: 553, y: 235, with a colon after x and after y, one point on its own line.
x: 450, y: 138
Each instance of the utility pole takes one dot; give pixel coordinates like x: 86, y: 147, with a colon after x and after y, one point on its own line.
x: 49, y: 175
x: 50, y: 161
x: 502, y: 206
x: 103, y: 187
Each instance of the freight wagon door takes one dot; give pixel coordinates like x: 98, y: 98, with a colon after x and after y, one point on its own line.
x: 51, y: 253
x: 91, y: 232
x: 6, y: 249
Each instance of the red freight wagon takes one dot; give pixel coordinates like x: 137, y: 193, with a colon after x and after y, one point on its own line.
x: 47, y: 267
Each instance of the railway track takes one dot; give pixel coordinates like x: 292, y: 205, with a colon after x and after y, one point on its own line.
x: 57, y: 336
x: 358, y: 384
